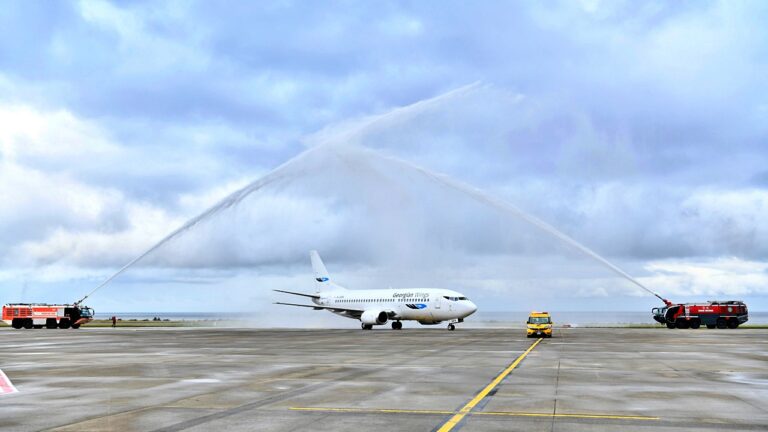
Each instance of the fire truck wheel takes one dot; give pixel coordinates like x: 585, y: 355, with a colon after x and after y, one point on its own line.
x: 38, y: 326
x: 695, y: 324
x: 710, y: 326
x: 670, y: 325
x: 64, y: 324
x: 16, y: 323
x: 682, y: 324
x: 75, y: 326
x: 721, y: 323
x: 733, y: 323
x: 51, y: 323
x: 28, y: 324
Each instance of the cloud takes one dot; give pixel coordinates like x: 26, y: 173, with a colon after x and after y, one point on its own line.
x: 725, y: 277
x: 636, y: 128
x: 382, y: 219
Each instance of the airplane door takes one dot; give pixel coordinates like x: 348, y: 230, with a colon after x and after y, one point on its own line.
x: 438, y: 302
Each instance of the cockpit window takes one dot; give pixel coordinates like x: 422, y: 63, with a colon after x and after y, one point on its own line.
x: 454, y: 298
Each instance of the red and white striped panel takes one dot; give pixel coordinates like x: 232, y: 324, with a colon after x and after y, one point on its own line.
x: 6, y: 387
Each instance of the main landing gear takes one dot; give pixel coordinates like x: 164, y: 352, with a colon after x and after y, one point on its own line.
x: 451, y: 327
x: 397, y: 325
x: 366, y: 326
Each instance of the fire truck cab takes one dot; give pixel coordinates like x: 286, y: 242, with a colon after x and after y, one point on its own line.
x: 39, y: 315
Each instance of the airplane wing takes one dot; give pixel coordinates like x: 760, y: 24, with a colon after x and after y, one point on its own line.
x: 352, y: 313
x: 314, y: 296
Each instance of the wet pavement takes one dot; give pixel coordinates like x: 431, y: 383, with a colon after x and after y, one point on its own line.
x: 201, y: 379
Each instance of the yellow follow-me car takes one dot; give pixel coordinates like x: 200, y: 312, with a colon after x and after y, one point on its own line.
x: 539, y: 324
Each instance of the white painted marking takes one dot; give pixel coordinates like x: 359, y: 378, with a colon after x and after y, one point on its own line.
x: 202, y: 381
x: 6, y: 386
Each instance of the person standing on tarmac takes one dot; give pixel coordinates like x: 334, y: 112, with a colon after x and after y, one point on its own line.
x: 114, y: 321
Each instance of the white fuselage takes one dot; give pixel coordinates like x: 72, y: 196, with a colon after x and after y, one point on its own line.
x: 426, y: 305
x: 378, y: 307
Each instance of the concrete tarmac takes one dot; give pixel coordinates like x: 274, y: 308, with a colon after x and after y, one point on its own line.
x: 202, y: 379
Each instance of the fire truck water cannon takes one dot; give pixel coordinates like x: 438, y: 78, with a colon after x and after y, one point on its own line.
x: 39, y: 315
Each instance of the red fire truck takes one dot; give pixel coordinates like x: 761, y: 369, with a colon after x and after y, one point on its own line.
x: 39, y: 315
x: 720, y: 314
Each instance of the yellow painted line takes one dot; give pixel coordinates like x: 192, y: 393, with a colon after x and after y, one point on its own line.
x: 550, y: 415
x: 371, y: 410
x: 450, y: 424
x: 487, y: 413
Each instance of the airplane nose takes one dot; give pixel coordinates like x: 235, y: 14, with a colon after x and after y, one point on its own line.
x: 472, y: 308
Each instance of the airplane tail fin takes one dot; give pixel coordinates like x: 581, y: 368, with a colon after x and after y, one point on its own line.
x: 322, y: 278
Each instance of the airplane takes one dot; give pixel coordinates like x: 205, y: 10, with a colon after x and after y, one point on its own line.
x: 428, y: 306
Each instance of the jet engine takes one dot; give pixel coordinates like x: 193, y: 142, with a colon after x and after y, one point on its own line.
x: 371, y: 317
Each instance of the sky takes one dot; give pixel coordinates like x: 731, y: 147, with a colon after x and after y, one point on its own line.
x: 639, y: 129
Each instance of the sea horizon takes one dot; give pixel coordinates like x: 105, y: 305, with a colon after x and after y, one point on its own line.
x: 481, y: 318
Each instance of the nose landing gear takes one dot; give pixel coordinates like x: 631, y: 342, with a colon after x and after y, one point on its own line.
x: 397, y: 325
x: 451, y: 326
